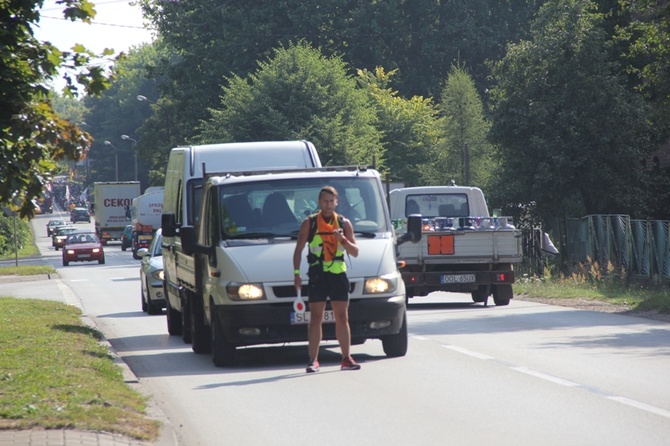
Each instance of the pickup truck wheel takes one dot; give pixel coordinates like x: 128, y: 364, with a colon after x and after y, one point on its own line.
x: 200, y: 333
x: 396, y: 345
x: 480, y: 295
x: 223, y: 353
x: 502, y: 294
x: 173, y: 316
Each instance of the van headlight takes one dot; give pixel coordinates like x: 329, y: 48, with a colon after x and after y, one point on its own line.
x: 378, y: 285
x: 245, y: 291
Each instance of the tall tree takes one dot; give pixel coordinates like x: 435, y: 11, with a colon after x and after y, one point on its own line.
x: 465, y: 154
x: 299, y: 94
x: 32, y: 135
x: 214, y: 40
x: 410, y: 127
x: 118, y: 112
x: 571, y: 135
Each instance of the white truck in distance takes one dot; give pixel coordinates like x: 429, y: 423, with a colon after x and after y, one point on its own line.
x: 243, y: 249
x: 113, y: 201
x: 463, y: 248
x: 146, y: 214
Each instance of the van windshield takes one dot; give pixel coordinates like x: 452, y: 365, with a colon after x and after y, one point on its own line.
x: 276, y: 208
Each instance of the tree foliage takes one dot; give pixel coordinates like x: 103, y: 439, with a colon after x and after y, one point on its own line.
x: 32, y: 136
x: 410, y: 128
x: 299, y: 94
x: 571, y: 135
x: 465, y: 154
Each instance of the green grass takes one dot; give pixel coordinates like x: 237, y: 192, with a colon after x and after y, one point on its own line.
x: 607, y: 290
x: 28, y: 250
x: 54, y: 373
x: 26, y: 270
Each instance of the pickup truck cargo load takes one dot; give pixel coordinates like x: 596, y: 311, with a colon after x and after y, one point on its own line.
x: 113, y: 201
x: 463, y: 248
x: 243, y: 250
x: 183, y: 196
x: 146, y: 214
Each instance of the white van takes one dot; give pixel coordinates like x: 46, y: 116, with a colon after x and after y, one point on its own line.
x: 182, y: 199
x: 243, y: 251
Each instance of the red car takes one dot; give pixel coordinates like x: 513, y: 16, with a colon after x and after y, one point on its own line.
x: 83, y: 246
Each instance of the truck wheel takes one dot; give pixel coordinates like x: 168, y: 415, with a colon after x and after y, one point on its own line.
x: 201, y: 338
x: 135, y: 256
x: 186, y: 318
x: 480, y: 295
x: 223, y: 353
x: 396, y: 345
x: 173, y: 316
x: 502, y: 294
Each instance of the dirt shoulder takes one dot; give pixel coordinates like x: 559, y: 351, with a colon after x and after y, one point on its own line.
x: 596, y: 305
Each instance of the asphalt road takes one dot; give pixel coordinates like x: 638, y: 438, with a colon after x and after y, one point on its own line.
x: 524, y: 374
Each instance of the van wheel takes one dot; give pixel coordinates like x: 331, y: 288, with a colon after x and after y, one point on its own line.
x: 396, y: 345
x: 223, y: 353
x: 201, y: 338
x: 502, y: 294
x: 173, y: 316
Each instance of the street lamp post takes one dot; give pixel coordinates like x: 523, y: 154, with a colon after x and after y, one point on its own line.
x: 116, y: 158
x: 134, y: 147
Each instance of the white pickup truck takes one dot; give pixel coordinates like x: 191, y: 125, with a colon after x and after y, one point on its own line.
x: 462, y: 248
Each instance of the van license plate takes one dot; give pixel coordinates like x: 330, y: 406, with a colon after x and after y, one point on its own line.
x: 303, y: 318
x: 457, y: 278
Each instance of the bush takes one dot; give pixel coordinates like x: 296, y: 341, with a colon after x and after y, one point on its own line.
x: 7, y: 234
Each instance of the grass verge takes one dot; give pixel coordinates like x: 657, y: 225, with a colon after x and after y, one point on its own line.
x: 54, y: 373
x: 613, y: 292
x: 26, y: 270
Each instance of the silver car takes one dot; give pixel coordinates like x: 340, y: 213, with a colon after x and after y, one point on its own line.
x: 151, y: 276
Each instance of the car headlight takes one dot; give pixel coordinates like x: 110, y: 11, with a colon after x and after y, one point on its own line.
x: 378, y: 285
x: 96, y: 250
x: 70, y: 251
x: 245, y: 291
x: 158, y: 275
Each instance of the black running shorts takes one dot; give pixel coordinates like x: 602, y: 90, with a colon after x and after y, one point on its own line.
x: 328, y: 285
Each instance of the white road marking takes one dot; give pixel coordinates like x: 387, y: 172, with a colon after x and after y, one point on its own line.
x: 554, y: 379
x: 468, y: 352
x: 639, y: 405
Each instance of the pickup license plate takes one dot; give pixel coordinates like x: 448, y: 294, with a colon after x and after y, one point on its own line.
x: 303, y: 318
x: 457, y: 278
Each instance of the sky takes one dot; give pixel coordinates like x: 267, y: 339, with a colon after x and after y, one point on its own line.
x: 117, y: 25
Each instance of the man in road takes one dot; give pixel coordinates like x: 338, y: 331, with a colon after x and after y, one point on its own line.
x: 328, y: 237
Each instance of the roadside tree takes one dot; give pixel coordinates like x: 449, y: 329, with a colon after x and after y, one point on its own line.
x: 299, y: 94
x: 571, y: 135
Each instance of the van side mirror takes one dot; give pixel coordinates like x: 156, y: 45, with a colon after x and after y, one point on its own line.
x: 188, y: 240
x: 169, y: 224
x: 413, y: 233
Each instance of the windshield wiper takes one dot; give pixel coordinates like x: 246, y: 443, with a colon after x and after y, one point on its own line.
x: 251, y: 235
x: 366, y: 234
